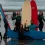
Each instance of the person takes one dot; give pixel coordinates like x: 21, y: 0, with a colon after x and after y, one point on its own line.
x: 18, y: 21
x: 41, y: 19
x: 33, y: 26
x: 0, y: 20
x: 6, y: 27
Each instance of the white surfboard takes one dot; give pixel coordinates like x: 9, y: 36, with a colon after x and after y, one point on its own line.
x: 26, y: 13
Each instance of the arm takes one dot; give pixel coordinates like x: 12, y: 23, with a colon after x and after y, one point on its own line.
x: 43, y: 18
x: 29, y: 27
x: 13, y: 18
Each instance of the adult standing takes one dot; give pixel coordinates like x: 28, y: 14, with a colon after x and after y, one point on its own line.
x: 41, y: 19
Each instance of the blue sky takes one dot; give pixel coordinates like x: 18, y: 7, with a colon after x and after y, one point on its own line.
x: 16, y: 4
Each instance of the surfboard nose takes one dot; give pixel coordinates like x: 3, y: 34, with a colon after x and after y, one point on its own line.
x: 26, y: 0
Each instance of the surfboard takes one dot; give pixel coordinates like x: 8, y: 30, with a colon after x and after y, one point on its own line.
x: 3, y: 15
x: 26, y: 13
x: 34, y: 16
x: 35, y: 34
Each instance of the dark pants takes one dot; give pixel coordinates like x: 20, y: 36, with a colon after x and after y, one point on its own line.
x: 40, y: 26
x: 21, y: 36
x: 5, y: 35
x: 18, y: 28
x: 17, y: 25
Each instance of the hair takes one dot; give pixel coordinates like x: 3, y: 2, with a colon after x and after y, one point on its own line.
x: 41, y: 13
x: 14, y: 13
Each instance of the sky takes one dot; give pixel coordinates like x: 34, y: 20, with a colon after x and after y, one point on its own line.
x: 17, y: 4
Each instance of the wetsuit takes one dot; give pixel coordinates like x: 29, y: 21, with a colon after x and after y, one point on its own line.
x: 6, y: 26
x: 41, y: 24
x: 18, y: 22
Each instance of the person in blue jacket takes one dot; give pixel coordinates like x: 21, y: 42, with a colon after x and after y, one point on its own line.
x: 33, y: 26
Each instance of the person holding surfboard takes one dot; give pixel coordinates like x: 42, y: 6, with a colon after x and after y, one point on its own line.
x: 6, y: 26
x: 41, y: 19
x: 18, y: 21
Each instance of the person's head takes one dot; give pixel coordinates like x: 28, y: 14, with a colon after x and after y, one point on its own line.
x: 18, y: 13
x: 40, y: 13
x: 32, y: 22
x: 14, y: 13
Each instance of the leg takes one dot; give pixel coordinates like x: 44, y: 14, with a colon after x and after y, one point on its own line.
x: 5, y: 35
x: 40, y: 27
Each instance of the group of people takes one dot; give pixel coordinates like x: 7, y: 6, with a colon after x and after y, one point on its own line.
x: 19, y: 27
x: 40, y: 24
x: 40, y: 20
